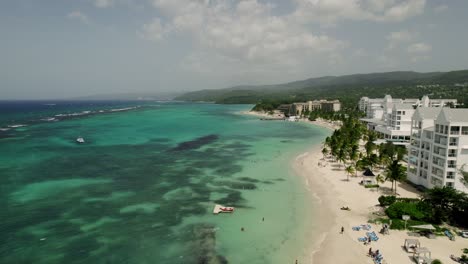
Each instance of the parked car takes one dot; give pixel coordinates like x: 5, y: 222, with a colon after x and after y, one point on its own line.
x: 464, y: 233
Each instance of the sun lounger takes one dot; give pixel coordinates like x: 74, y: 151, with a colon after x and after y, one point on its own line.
x: 362, y: 239
x: 372, y: 236
x: 449, y: 235
x: 356, y: 228
x: 366, y: 227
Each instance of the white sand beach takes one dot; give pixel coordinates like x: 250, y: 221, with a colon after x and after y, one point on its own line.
x: 328, y: 182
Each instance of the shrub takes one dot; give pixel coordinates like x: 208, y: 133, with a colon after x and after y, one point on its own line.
x: 372, y: 186
x: 386, y: 200
x: 436, y: 261
x: 399, y: 224
x: 398, y: 209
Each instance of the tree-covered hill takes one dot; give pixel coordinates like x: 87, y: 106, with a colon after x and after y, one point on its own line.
x: 347, y: 88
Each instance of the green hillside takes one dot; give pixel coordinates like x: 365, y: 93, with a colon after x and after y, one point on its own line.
x: 347, y: 88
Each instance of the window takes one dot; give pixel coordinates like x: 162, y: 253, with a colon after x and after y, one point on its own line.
x: 452, y: 164
x: 455, y: 130
x: 437, y: 128
x: 449, y: 184
x: 464, y: 130
x: 404, y: 112
x: 453, y: 142
x: 450, y: 175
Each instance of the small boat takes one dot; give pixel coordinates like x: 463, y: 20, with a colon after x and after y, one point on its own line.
x: 222, y: 209
x: 80, y: 140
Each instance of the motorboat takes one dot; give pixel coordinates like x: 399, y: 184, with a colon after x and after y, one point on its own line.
x: 80, y: 140
x: 222, y: 209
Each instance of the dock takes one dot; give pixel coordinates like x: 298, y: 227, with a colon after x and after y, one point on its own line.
x: 222, y: 209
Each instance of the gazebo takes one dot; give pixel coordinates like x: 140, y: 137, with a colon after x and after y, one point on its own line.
x: 422, y: 255
x: 368, y: 177
x: 411, y: 245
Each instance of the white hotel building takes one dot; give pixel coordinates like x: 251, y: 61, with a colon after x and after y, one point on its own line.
x: 439, y: 147
x: 391, y: 117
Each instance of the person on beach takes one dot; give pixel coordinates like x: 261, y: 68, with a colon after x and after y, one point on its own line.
x: 342, y: 230
x: 263, y: 219
x: 370, y: 251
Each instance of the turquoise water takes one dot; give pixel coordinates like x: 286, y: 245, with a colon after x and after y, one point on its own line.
x: 143, y: 186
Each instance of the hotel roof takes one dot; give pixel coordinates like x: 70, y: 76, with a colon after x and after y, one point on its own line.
x: 427, y: 112
x: 455, y: 114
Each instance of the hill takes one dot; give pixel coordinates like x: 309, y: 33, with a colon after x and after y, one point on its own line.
x: 347, y: 88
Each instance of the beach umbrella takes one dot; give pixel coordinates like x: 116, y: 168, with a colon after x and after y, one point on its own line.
x: 427, y: 227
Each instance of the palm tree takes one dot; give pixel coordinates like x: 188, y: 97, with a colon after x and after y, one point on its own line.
x: 341, y: 155
x: 370, y: 145
x: 349, y: 170
x: 324, y: 152
x: 395, y: 172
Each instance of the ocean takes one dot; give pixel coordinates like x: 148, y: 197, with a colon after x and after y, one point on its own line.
x: 142, y: 187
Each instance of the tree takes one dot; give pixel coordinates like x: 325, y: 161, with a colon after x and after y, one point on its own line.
x: 349, y: 171
x: 341, y: 157
x: 395, y: 172
x: 324, y: 152
x: 447, y: 204
x: 464, y: 175
x: 370, y: 145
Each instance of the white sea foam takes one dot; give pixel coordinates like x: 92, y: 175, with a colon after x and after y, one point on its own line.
x: 16, y: 125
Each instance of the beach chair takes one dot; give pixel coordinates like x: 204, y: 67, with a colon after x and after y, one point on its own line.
x: 362, y: 239
x: 449, y: 235
x: 356, y: 228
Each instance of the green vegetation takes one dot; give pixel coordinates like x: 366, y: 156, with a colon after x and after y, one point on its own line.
x: 436, y: 261
x: 386, y: 200
x: 348, y: 89
x: 438, y: 205
x: 417, y: 211
x: 447, y: 205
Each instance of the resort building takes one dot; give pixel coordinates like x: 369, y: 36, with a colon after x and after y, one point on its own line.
x: 438, y: 152
x: 391, y: 118
x: 329, y: 106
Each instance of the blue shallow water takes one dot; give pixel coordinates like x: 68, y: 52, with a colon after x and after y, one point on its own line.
x: 142, y: 187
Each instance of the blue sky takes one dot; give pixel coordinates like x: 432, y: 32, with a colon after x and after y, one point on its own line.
x: 68, y: 48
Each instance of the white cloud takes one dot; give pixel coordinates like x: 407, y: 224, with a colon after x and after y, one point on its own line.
x: 398, y: 37
x: 79, y: 16
x: 418, y: 48
x: 103, y: 3
x: 440, y: 9
x: 244, y: 32
x: 329, y: 12
x: 419, y: 52
x: 153, y: 30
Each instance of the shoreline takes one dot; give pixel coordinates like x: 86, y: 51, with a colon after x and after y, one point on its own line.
x: 326, y: 182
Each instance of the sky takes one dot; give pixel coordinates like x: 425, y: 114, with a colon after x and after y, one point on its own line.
x: 71, y: 48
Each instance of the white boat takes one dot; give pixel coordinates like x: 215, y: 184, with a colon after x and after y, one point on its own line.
x: 222, y: 209
x: 80, y: 140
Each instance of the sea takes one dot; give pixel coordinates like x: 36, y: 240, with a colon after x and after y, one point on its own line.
x: 143, y: 185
